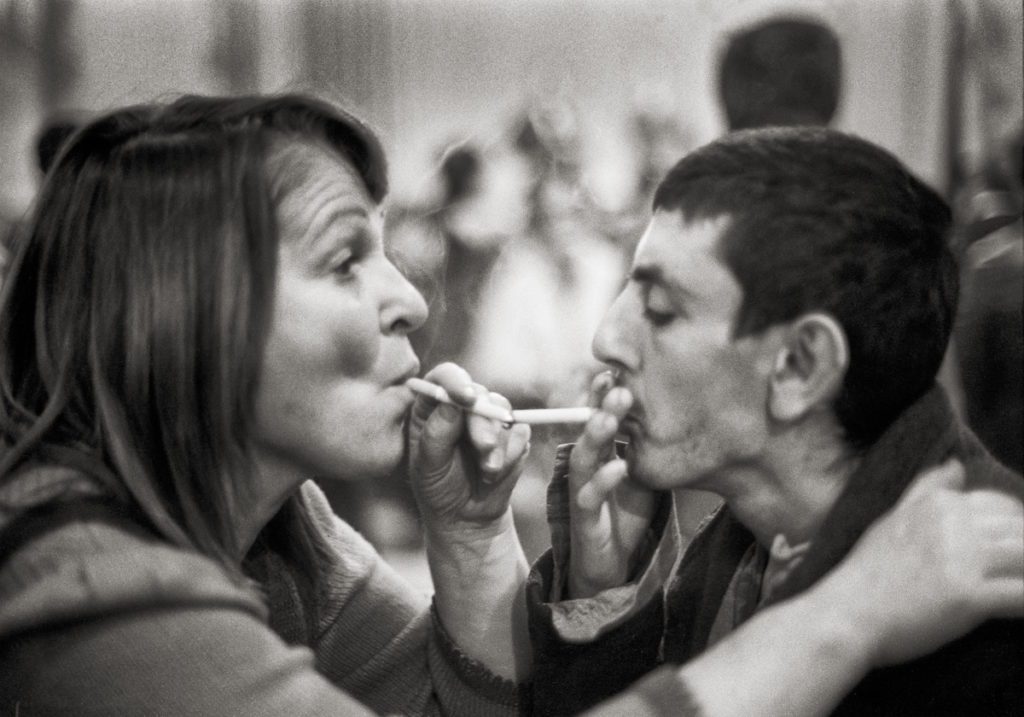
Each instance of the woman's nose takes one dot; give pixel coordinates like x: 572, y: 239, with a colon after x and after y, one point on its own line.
x: 404, y: 310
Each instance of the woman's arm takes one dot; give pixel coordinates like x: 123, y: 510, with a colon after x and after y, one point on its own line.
x: 463, y: 469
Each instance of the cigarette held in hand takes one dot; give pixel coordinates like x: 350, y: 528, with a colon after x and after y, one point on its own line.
x: 553, y: 415
x: 485, y: 408
x: 482, y: 407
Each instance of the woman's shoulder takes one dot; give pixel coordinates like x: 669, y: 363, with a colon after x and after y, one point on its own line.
x: 82, y: 557
x: 332, y: 528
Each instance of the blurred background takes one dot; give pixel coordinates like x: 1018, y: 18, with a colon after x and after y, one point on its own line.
x: 525, y: 140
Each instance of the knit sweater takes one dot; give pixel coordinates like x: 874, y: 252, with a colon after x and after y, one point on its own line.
x: 99, y: 617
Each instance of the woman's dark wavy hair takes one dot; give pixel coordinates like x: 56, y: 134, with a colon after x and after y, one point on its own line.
x: 135, y: 311
x: 824, y: 221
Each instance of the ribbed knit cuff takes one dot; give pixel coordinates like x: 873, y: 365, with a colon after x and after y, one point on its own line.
x: 472, y: 673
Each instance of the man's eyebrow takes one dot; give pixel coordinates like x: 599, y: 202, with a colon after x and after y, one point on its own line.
x: 652, y: 274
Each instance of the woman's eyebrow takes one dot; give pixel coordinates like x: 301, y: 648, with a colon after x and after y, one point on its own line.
x: 325, y: 216
x: 330, y: 212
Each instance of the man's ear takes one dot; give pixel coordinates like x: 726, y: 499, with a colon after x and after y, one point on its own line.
x: 809, y: 367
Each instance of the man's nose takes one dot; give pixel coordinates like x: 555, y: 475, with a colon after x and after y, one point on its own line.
x: 615, y: 339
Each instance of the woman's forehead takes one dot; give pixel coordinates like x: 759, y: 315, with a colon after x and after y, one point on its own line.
x: 302, y: 166
x: 306, y: 176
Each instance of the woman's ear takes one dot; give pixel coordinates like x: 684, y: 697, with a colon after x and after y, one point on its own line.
x: 809, y: 367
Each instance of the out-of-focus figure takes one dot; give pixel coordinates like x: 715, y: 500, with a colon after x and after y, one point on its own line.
x: 990, y: 348
x: 987, y: 190
x: 464, y: 246
x: 782, y: 71
x: 552, y: 281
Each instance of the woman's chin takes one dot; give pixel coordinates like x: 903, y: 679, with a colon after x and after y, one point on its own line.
x: 370, y: 467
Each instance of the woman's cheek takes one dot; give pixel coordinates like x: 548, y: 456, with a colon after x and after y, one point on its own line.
x: 358, y: 342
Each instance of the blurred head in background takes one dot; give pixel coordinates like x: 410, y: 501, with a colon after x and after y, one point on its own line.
x: 782, y: 71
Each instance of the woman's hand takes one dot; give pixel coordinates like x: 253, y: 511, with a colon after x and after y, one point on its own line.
x: 463, y: 467
x: 937, y: 565
x: 609, y: 514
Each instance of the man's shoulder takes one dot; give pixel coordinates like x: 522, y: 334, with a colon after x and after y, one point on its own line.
x: 983, y: 470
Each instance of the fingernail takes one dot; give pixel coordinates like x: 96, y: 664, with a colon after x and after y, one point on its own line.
x: 494, y: 461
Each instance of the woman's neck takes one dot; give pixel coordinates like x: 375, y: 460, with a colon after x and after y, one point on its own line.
x: 272, y: 482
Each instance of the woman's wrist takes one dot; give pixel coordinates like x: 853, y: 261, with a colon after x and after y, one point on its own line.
x: 478, y: 573
x: 468, y: 537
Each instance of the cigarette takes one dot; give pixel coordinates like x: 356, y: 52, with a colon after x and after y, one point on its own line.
x: 553, y: 415
x: 482, y: 407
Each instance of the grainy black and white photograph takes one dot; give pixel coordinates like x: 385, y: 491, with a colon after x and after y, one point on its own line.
x: 536, y: 357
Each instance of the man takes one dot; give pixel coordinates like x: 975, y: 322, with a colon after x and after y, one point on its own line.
x: 777, y: 343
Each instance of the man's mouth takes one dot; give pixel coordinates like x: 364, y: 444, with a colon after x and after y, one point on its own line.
x: 630, y: 427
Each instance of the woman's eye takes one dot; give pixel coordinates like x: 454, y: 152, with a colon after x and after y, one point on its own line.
x: 347, y: 266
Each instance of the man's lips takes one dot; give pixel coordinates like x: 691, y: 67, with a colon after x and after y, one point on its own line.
x: 631, y: 425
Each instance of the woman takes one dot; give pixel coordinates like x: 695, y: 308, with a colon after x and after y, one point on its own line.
x: 199, y: 318
x: 203, y: 318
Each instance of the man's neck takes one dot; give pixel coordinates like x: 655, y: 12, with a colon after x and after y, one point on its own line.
x: 790, y: 493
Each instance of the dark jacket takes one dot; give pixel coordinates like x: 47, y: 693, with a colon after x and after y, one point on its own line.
x: 981, y: 673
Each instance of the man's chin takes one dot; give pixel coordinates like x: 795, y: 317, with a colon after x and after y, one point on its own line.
x: 656, y: 474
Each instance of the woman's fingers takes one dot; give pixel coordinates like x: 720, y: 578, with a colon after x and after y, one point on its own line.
x: 456, y: 382
x: 447, y: 423
x: 490, y: 437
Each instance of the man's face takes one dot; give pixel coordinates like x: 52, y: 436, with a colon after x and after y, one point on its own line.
x: 699, y: 395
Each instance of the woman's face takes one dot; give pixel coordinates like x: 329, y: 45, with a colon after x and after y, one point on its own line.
x: 332, y: 401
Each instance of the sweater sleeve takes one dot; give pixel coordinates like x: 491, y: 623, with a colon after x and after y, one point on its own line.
x: 588, y: 650
x: 379, y: 641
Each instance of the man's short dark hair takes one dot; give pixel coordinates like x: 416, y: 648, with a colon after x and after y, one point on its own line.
x: 824, y: 221
x: 783, y: 71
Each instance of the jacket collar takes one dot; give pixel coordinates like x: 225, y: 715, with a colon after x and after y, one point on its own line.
x: 924, y: 435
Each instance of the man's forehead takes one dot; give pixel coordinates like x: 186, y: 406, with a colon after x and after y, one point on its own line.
x: 675, y: 246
